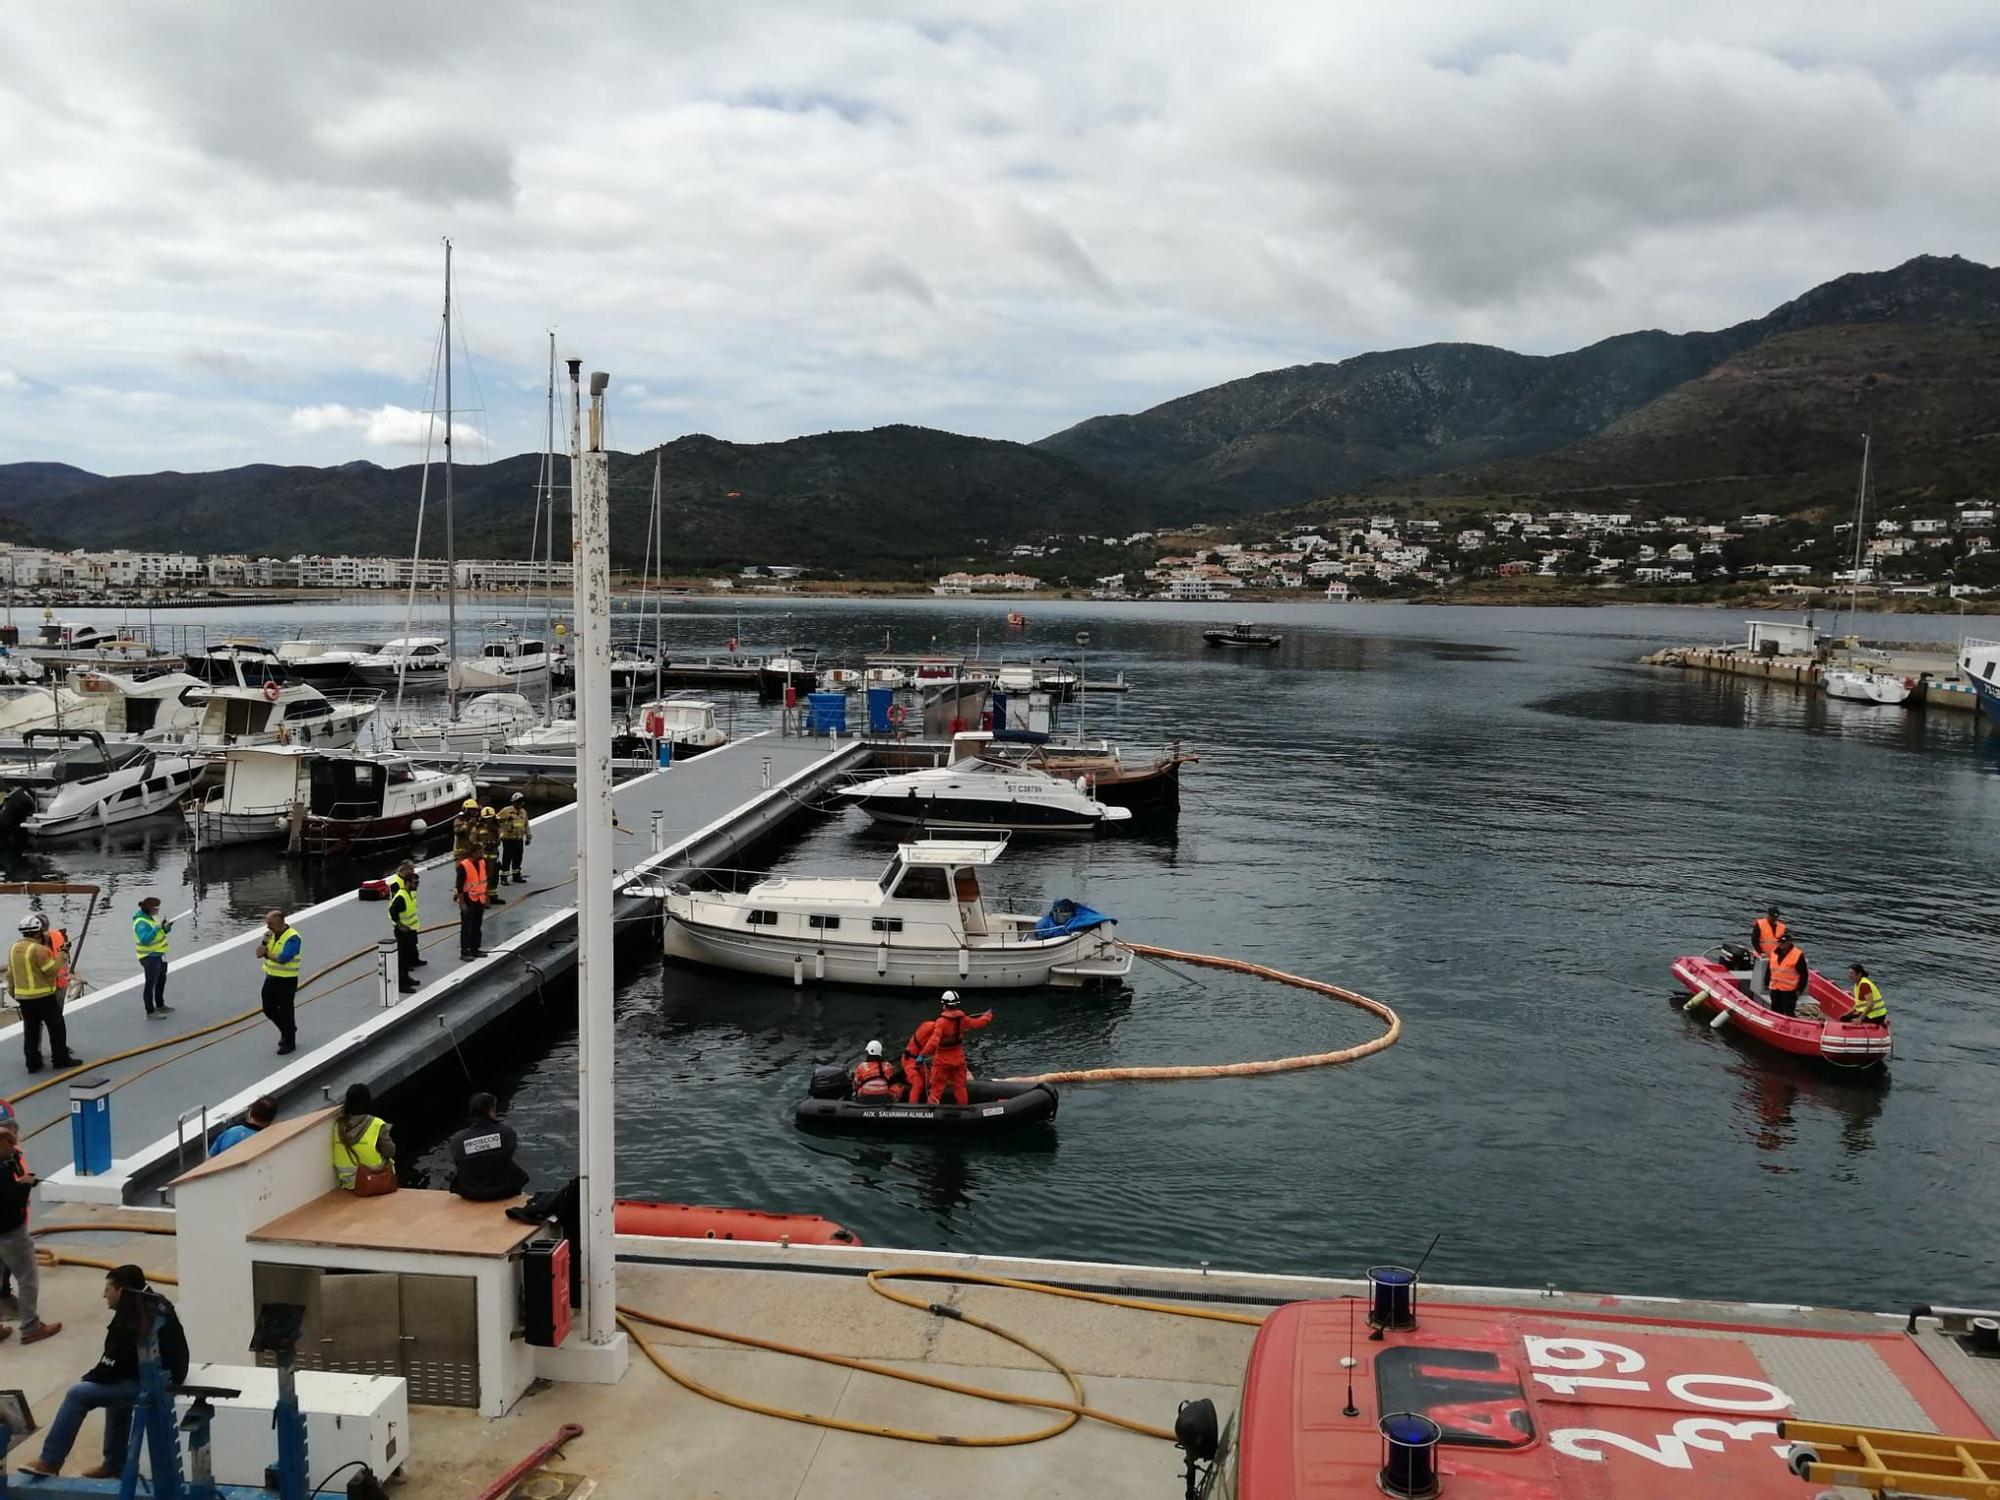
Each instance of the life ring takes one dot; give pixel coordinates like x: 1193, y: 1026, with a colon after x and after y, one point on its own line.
x: 656, y: 724
x: 271, y: 690
x: 895, y: 713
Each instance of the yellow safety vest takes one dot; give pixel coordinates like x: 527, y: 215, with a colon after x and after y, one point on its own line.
x: 1868, y: 1003
x: 276, y: 968
x: 149, y: 934
x: 346, y: 1159
x: 408, y: 916
x: 31, y: 970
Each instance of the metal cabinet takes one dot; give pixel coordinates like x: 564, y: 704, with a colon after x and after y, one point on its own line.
x: 423, y: 1328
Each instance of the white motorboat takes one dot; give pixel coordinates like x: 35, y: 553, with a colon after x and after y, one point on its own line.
x: 165, y: 703
x: 504, y: 665
x: 1863, y: 682
x: 321, y: 663
x: 484, y: 723
x: 688, y: 724
x: 408, y: 661
x: 922, y: 925
x: 977, y: 795
x: 262, y: 706
x: 887, y: 677
x: 86, y: 784
x: 841, y: 680
x: 322, y: 802
x: 797, y: 669
x: 25, y: 706
x: 68, y: 640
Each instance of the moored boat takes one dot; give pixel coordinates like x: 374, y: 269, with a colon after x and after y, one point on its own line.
x: 408, y: 661
x: 1729, y: 982
x: 688, y: 724
x: 86, y: 784
x: 504, y: 665
x: 992, y: 1108
x: 979, y: 795
x: 324, y: 803
x: 796, y: 668
x: 486, y: 722
x: 1244, y: 634
x: 923, y: 924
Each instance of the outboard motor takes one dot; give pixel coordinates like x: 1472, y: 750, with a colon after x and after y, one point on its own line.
x: 1738, y: 955
x: 829, y: 1082
x: 15, y: 809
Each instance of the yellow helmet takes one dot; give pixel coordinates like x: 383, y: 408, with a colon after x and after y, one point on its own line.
x: 487, y: 812
x: 470, y: 804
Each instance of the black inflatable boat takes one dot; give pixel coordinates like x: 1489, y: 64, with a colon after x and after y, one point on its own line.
x: 993, y: 1107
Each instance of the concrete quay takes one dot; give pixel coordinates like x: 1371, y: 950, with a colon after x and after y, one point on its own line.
x: 1945, y: 688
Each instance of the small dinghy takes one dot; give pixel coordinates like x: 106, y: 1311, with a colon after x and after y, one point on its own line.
x: 994, y: 1107
x: 1730, y: 982
x: 691, y: 1221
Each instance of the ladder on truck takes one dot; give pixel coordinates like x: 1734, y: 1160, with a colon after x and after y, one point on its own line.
x: 1889, y: 1461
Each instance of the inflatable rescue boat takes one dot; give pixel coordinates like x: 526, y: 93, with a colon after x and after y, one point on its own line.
x: 1729, y: 981
x: 992, y: 1107
x: 690, y: 1221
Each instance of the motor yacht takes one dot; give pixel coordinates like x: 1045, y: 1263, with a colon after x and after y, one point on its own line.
x: 323, y: 802
x: 86, y: 783
x: 922, y: 924
x: 504, y: 665
x: 979, y: 795
x: 688, y: 724
x: 408, y: 661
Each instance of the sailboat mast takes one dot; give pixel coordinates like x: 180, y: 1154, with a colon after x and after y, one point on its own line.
x: 657, y: 548
x: 450, y: 540
x: 548, y: 508
x: 1860, y: 535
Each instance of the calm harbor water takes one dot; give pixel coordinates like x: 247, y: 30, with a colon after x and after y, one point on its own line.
x: 1492, y: 819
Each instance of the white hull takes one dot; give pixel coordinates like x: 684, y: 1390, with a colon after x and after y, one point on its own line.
x: 128, y: 798
x: 1015, y: 964
x: 1866, y: 687
x: 215, y: 828
x: 429, y: 674
x: 468, y: 678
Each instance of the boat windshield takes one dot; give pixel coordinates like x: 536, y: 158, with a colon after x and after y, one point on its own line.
x: 924, y: 883
x: 890, y: 875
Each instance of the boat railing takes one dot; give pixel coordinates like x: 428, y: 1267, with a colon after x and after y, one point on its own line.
x: 358, y: 697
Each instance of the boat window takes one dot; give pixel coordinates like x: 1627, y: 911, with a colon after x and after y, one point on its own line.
x: 889, y: 875
x: 308, y: 708
x: 887, y: 924
x: 826, y: 924
x: 924, y: 883
x: 1472, y: 1394
x: 763, y: 919
x: 1988, y: 673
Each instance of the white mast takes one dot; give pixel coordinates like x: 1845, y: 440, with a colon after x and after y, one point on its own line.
x: 1860, y: 536
x: 545, y: 511
x: 450, y: 541
x: 590, y: 535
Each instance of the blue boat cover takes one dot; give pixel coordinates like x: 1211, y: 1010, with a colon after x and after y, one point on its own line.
x: 1068, y: 917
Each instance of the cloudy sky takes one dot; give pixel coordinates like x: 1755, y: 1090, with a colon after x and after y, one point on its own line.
x: 220, y: 224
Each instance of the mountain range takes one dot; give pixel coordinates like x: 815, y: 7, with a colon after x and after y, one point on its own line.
x: 1765, y: 414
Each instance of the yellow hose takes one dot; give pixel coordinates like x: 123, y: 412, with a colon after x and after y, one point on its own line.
x: 1071, y: 1411
x: 1392, y: 1021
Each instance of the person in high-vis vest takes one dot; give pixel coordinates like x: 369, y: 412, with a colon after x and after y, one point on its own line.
x: 473, y: 890
x: 279, y: 950
x: 1767, y: 932
x: 33, y: 977
x: 1789, y: 978
x: 515, y: 836
x: 360, y: 1138
x: 149, y: 939
x: 403, y: 922
x: 948, y: 1070
x: 1869, y: 1007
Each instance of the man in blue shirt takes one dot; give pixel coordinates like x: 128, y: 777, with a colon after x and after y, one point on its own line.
x: 260, y: 1113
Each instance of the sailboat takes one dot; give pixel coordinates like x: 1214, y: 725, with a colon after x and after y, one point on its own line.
x: 1865, y: 676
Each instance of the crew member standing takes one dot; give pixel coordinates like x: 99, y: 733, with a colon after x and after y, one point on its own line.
x: 1869, y: 1007
x: 1789, y: 978
x: 515, y: 836
x: 465, y: 828
x: 472, y: 891
x: 149, y: 938
x: 487, y: 842
x: 33, y: 970
x: 403, y: 923
x: 280, y: 948
x: 917, y: 1061
x: 1767, y: 932
x: 872, y: 1077
x: 948, y: 1048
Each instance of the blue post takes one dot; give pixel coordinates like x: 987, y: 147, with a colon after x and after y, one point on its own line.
x: 666, y: 754
x: 90, y: 1126
x: 880, y: 701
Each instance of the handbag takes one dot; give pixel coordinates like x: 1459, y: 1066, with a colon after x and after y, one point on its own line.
x: 370, y: 1182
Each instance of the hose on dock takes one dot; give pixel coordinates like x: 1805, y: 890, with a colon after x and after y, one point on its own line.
x: 1392, y: 1023
x: 1069, y: 1412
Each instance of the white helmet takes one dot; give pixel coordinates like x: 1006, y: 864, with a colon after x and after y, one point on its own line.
x: 874, y: 1049
x: 31, y: 923
x: 950, y: 996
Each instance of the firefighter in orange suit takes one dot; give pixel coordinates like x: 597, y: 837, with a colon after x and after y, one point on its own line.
x: 916, y: 1062
x: 948, y: 1048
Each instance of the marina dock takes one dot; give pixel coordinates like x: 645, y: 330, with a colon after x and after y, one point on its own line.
x: 1936, y: 671
x: 175, y: 1079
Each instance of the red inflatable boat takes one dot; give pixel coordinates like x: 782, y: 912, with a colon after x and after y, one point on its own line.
x: 1723, y: 981
x: 688, y: 1221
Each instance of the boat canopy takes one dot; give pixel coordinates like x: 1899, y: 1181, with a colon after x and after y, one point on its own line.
x: 1066, y: 918
x: 960, y: 852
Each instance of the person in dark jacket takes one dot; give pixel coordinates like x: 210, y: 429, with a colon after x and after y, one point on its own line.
x: 17, y: 1249
x: 482, y: 1154
x: 113, y: 1385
